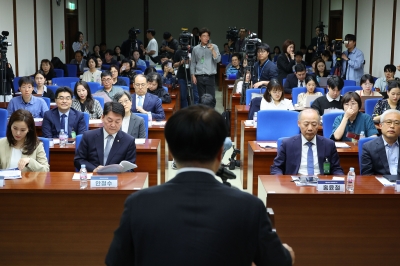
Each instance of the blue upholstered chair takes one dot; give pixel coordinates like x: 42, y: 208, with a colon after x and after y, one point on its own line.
x: 86, y: 116
x: 349, y: 83
x: 77, y: 142
x: 100, y: 99
x: 53, y: 88
x: 47, y: 100
x: 59, y: 72
x: 65, y: 81
x: 274, y: 124
x: 46, y: 146
x: 72, y: 70
x: 3, y: 122
x: 127, y: 80
x: 279, y: 143
x: 146, y: 122
x: 360, y: 144
x: 370, y: 105
x: 350, y: 88
x: 327, y: 123
x: 142, y: 68
x: 248, y: 94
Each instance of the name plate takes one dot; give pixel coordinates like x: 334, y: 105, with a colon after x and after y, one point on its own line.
x: 103, y: 181
x: 397, y: 185
x: 1, y: 181
x: 331, y: 186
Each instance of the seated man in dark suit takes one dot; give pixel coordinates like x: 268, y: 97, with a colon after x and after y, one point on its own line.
x: 333, y: 99
x: 79, y: 60
x: 296, y: 79
x: 150, y: 232
x: 63, y: 117
x: 146, y: 103
x: 107, y: 145
x: 380, y: 156
x: 306, y: 153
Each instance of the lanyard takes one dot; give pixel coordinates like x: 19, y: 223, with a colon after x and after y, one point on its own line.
x: 261, y: 70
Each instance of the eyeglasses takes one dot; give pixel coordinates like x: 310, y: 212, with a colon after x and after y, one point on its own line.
x: 124, y: 102
x: 106, y: 80
x: 368, y: 84
x: 138, y: 85
x: 391, y: 122
x: 350, y: 104
x: 62, y: 98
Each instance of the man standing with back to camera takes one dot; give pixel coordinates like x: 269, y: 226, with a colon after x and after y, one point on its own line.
x: 203, y: 67
x: 204, y: 222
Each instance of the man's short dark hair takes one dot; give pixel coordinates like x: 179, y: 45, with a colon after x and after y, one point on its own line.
x: 114, y: 107
x: 25, y: 80
x: 207, y: 100
x: 350, y: 37
x: 79, y: 52
x: 64, y: 89
x: 335, y: 82
x: 195, y: 134
x: 299, y: 53
x: 166, y: 35
x: 299, y: 68
x: 352, y: 95
x: 203, y: 30
x: 389, y: 67
x: 126, y: 60
x: 109, y: 51
x: 326, y: 53
x: 238, y: 55
x: 105, y: 73
x: 152, y: 31
x: 263, y: 46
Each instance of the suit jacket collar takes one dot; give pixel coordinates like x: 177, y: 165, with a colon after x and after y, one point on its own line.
x: 132, y: 121
x: 381, y: 151
x: 298, y: 149
x: 117, y: 145
x: 56, y: 119
x: 194, y: 177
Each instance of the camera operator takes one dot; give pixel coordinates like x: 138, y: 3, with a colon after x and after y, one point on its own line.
x: 8, y: 84
x: 264, y: 69
x: 152, y: 47
x: 239, y: 45
x: 169, y: 45
x: 132, y: 44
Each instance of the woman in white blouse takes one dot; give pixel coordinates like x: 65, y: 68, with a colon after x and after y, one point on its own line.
x: 311, y: 85
x: 273, y: 98
x: 366, y: 83
x: 93, y: 74
x: 21, y: 148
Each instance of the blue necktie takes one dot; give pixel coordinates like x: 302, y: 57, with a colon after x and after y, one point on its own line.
x: 140, y: 101
x: 62, y: 126
x: 310, y: 159
x: 107, y: 148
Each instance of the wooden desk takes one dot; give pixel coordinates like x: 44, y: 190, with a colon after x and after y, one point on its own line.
x: 245, y: 137
x: 235, y: 100
x: 45, y: 219
x: 228, y: 96
x: 157, y: 132
x: 225, y: 86
x: 169, y: 109
x: 241, y: 113
x: 221, y: 68
x: 259, y: 161
x: 323, y: 228
x: 148, y: 158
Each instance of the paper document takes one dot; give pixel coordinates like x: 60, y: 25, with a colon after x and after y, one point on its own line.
x: 249, y: 123
x: 158, y: 123
x: 341, y: 145
x: 95, y: 121
x: 140, y: 141
x: 123, y: 166
x: 385, y: 182
x: 268, y: 145
x: 10, y: 174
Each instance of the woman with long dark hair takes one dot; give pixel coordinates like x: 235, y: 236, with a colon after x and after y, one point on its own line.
x: 84, y: 101
x: 156, y: 87
x: 285, y: 60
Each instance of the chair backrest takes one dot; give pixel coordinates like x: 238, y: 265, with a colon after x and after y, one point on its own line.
x: 279, y: 143
x: 147, y: 63
x: 100, y: 99
x: 3, y: 122
x: 65, y: 81
x: 46, y: 145
x: 72, y: 70
x: 232, y: 76
x: 146, y: 122
x: 274, y: 124
x: 127, y: 80
x: 160, y: 71
x: 77, y: 142
x: 283, y: 81
x: 59, y: 72
x: 225, y: 59
x: 295, y: 93
x: 370, y: 105
x: 349, y: 82
x: 15, y: 83
x: 142, y: 68
x: 360, y: 144
x: 350, y: 88
x: 53, y: 88
x: 86, y: 116
x: 125, y: 88
x: 47, y: 100
x: 138, y: 71
x: 248, y: 94
x: 165, y: 88
x: 105, y: 67
x: 327, y: 122
x: 94, y: 86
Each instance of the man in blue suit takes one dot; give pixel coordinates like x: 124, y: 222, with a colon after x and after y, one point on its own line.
x: 107, y: 145
x: 306, y: 153
x: 146, y: 103
x: 63, y: 117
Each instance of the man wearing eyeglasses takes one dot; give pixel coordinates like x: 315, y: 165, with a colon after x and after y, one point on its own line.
x: 146, y: 103
x: 108, y: 88
x: 380, y: 156
x: 264, y: 69
x: 63, y: 117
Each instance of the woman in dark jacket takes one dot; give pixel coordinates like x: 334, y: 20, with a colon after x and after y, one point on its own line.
x: 285, y: 61
x: 156, y: 88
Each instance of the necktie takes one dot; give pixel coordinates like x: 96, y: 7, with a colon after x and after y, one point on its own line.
x: 310, y: 159
x: 62, y: 126
x: 107, y: 148
x: 301, y: 83
x: 140, y: 101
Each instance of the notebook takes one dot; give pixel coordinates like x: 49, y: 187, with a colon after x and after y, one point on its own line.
x: 323, y: 82
x: 392, y: 178
x: 310, y: 99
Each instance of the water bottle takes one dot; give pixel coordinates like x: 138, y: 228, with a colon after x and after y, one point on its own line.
x: 351, y: 178
x: 150, y: 118
x: 255, y: 119
x: 63, y: 139
x: 83, y: 176
x: 362, y: 135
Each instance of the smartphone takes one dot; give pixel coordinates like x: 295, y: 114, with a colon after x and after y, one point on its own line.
x: 170, y: 64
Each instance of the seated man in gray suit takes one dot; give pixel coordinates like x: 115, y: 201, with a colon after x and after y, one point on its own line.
x: 380, y: 156
x: 131, y: 124
x: 306, y: 153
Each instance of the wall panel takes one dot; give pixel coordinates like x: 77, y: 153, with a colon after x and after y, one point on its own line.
x: 25, y: 34
x: 58, y: 31
x: 364, y: 21
x: 7, y: 24
x: 43, y: 30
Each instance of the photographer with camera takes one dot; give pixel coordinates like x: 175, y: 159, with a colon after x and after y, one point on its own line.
x: 8, y: 76
x: 132, y: 43
x: 169, y: 45
x: 264, y: 69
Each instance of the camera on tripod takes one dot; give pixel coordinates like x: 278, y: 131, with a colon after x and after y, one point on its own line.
x: 232, y: 34
x: 250, y: 48
x: 320, y: 38
x: 337, y: 45
x: 184, y: 41
x: 3, y: 43
x: 132, y: 33
x: 232, y: 161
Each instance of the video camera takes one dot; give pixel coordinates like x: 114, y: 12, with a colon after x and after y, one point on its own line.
x: 250, y: 48
x: 3, y: 43
x: 232, y: 34
x: 337, y: 45
x: 320, y: 39
x: 232, y: 161
x: 184, y: 40
x: 132, y: 33
x: 225, y: 174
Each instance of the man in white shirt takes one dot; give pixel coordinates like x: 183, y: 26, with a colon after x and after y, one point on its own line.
x: 152, y: 47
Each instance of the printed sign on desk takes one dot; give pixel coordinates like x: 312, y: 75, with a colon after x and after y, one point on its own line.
x: 101, y: 181
x: 397, y: 185
x: 331, y: 186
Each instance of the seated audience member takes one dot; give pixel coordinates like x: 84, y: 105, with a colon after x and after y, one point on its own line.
x: 275, y: 54
x: 242, y: 69
x: 103, y: 49
x: 227, y: 51
x: 96, y: 51
x: 107, y: 145
x: 168, y: 73
x: 127, y: 70
x: 79, y: 60
x: 48, y: 69
x: 58, y: 64
x: 234, y: 66
x: 380, y: 156
x: 314, y: 64
x: 41, y: 89
x: 116, y: 81
x: 392, y: 102
x: 149, y: 70
x: 264, y: 69
x: 156, y: 87
x: 63, y: 117
x: 36, y: 105
x: 21, y: 148
x: 366, y: 83
x: 306, y: 153
x: 298, y: 59
x: 136, y: 57
x: 327, y: 57
x: 108, y: 88
x: 285, y: 60
x: 93, y: 74
x: 108, y: 58
x: 99, y: 62
x: 85, y: 102
x: 352, y: 121
x: 192, y: 194
x: 311, y: 84
x: 382, y: 82
x: 144, y: 102
x: 8, y: 82
x: 117, y: 54
x: 239, y: 84
x: 296, y: 79
x: 131, y: 124
x: 332, y: 100
x: 320, y: 68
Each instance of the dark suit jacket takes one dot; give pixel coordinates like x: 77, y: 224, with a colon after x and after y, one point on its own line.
x: 374, y: 159
x: 51, y: 123
x: 136, y: 127
x: 91, y: 150
x: 288, y: 160
x: 285, y: 67
x: 192, y: 229
x: 151, y: 104
x: 81, y: 66
x: 292, y: 82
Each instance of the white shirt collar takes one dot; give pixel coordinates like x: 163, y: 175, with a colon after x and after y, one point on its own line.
x: 105, y: 134
x: 331, y: 99
x: 304, y: 140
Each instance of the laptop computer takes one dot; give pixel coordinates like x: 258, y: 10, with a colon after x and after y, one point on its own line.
x: 323, y: 82
x: 363, y: 98
x: 310, y: 99
x: 392, y: 178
